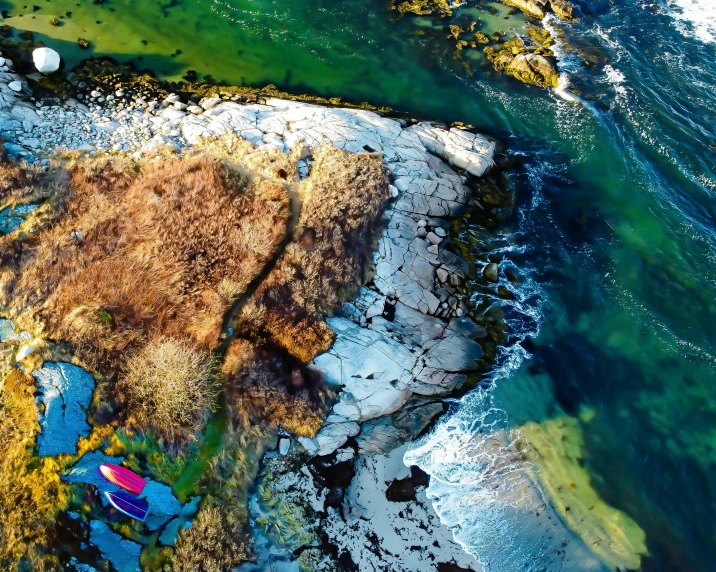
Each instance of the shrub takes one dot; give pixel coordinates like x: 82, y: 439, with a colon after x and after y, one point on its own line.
x: 210, y: 545
x: 170, y: 386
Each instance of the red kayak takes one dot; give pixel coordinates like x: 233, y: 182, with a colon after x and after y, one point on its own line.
x: 123, y: 478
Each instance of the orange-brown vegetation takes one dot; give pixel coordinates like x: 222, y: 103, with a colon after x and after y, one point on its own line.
x: 132, y: 268
x: 265, y: 385
x: 341, y: 205
x: 146, y: 251
x: 31, y: 493
x: 209, y: 545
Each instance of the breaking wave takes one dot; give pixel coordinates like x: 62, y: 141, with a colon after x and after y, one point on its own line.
x: 695, y: 18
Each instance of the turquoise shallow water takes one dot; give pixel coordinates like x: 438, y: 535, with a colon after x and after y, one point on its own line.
x: 612, y: 240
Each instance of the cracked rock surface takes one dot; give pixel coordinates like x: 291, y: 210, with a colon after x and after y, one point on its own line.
x: 65, y: 393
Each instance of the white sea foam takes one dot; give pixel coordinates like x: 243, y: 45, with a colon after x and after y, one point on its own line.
x: 696, y: 18
x: 565, y: 61
x: 616, y: 79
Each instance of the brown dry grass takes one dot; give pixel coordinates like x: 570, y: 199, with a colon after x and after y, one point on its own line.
x: 157, y: 242
x: 171, y: 387
x: 341, y: 205
x: 268, y: 388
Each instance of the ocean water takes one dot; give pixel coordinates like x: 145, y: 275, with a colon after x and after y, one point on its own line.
x: 596, y: 445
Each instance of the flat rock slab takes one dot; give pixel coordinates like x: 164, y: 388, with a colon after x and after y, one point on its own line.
x: 65, y: 393
x: 123, y: 554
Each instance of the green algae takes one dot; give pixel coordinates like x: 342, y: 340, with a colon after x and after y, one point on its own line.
x: 558, y: 447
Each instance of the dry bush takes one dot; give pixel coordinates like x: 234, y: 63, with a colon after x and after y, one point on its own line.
x: 342, y: 203
x: 210, y: 545
x: 170, y: 386
x: 269, y: 388
x: 141, y: 250
x: 31, y: 493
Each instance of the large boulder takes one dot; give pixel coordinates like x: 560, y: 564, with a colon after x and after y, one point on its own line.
x: 46, y: 60
x: 563, y: 8
x: 534, y: 69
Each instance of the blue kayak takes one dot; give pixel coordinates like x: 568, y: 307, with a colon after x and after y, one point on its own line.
x: 128, y: 504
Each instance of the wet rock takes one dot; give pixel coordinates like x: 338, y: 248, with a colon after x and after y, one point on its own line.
x: 65, y: 393
x: 491, y: 272
x: 434, y: 238
x: 538, y: 8
x: 563, y: 8
x: 46, y: 60
x: 123, y: 554
x: 284, y: 445
x: 15, y: 85
x: 534, y: 69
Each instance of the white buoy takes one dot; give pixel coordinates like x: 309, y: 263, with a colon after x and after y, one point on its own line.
x: 46, y: 60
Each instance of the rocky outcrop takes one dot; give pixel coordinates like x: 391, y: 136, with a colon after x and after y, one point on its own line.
x: 377, y: 531
x: 563, y: 8
x: 534, y: 69
x: 65, y: 393
x: 540, y: 8
x: 529, y: 67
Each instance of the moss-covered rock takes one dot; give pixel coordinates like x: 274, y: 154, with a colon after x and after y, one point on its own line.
x: 540, y: 8
x: 424, y: 7
x: 481, y: 38
x: 516, y: 60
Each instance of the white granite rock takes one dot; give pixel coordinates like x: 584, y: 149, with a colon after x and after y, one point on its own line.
x: 46, y: 60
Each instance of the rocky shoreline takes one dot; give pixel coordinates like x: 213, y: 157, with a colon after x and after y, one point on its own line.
x: 405, y: 341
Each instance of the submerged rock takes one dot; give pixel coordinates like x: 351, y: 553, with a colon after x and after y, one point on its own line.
x: 123, y: 554
x: 65, y: 393
x: 46, y: 60
x: 490, y: 272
